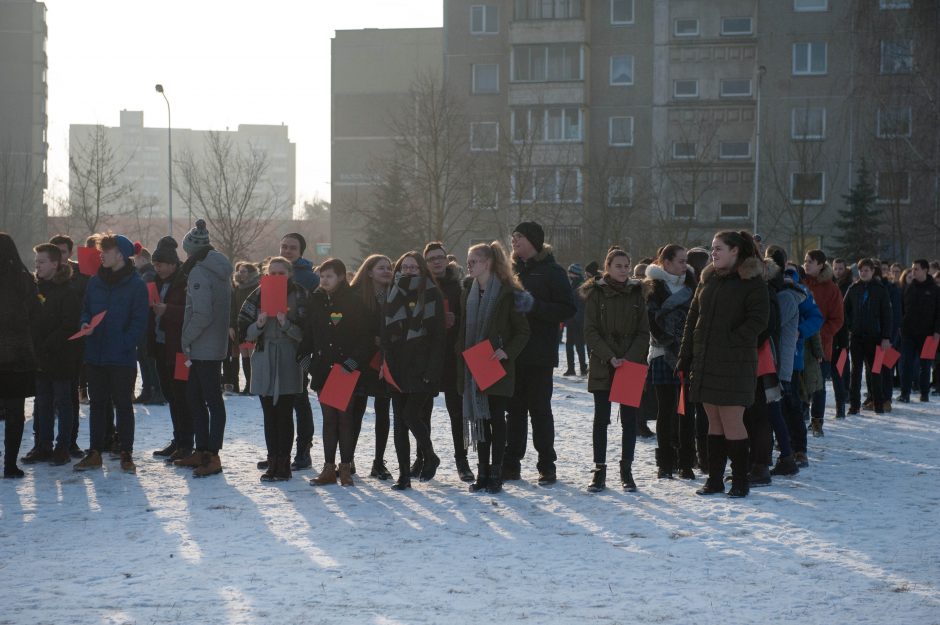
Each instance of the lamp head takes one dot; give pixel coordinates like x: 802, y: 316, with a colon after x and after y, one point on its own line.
x: 159, y: 88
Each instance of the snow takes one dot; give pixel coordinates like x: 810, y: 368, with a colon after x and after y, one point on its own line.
x: 851, y: 539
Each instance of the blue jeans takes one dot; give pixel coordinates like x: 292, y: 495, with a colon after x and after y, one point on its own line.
x: 839, y: 382
x: 204, y: 395
x: 602, y: 420
x: 793, y: 413
x: 818, y: 410
x: 912, y: 365
x: 107, y: 386
x: 53, y: 398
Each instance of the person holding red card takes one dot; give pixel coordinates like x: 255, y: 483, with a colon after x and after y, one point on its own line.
x: 276, y: 375
x: 616, y: 330
x: 868, y: 318
x: 338, y: 331
x: 829, y: 299
x: 487, y: 308
x: 920, y: 320
x: 730, y: 309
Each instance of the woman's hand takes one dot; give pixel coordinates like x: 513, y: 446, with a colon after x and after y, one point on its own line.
x: 499, y: 355
x: 616, y: 362
x: 261, y: 320
x: 159, y: 308
x: 282, y: 319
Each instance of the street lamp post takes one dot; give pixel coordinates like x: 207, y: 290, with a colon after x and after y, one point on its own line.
x: 169, y: 150
x: 760, y: 75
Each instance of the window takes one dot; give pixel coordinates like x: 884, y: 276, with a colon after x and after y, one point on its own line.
x: 683, y: 151
x: 808, y: 123
x: 620, y: 131
x: 546, y: 63
x: 546, y: 184
x: 621, y: 69
x: 807, y: 188
x: 547, y: 9
x: 620, y: 191
x: 538, y: 124
x: 484, y: 19
x: 683, y: 211
x: 734, y: 150
x: 485, y: 78
x: 621, y: 11
x: 806, y: 6
x: 736, y: 88
x: 733, y: 210
x: 685, y: 88
x: 735, y: 26
x: 894, y: 121
x: 686, y: 27
x: 895, y: 4
x: 897, y: 57
x: 894, y: 186
x: 809, y: 58
x: 484, y: 136
x: 484, y: 196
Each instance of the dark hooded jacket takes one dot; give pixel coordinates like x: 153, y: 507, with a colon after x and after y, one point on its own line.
x: 868, y: 310
x: 667, y: 311
x: 172, y: 292
x: 58, y: 320
x: 338, y: 331
x: 123, y: 295
x: 413, y: 337
x: 547, y: 282
x: 616, y: 325
x: 921, y: 309
x: 450, y: 286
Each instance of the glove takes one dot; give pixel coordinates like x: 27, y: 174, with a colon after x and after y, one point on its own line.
x: 350, y: 365
x: 524, y: 302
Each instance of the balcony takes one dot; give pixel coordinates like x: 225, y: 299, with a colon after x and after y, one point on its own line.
x: 547, y: 31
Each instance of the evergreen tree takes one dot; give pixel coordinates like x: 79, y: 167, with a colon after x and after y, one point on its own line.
x: 390, y: 225
x: 859, y: 222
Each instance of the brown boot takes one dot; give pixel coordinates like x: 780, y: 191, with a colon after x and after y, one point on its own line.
x: 60, y: 456
x: 193, y: 460
x: 212, y: 465
x: 285, y: 471
x: 345, y: 475
x: 127, y: 463
x: 179, y: 454
x: 327, y: 475
x: 270, y: 475
x: 92, y: 460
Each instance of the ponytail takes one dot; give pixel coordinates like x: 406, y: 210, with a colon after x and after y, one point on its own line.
x: 499, y: 262
x: 743, y: 241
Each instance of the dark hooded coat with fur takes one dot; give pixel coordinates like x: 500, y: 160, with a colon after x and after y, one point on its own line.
x: 58, y: 320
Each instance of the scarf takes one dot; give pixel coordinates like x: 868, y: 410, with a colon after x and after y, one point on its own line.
x: 404, y: 320
x: 476, y: 407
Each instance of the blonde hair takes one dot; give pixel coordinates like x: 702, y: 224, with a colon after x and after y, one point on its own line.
x: 499, y: 262
x: 281, y: 261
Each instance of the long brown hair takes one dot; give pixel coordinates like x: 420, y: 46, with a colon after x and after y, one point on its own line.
x: 741, y: 239
x: 423, y: 270
x: 499, y: 262
x: 363, y: 277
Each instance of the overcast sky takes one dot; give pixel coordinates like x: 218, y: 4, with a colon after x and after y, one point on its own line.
x: 222, y: 63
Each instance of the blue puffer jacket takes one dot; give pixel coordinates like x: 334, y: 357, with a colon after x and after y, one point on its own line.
x: 811, y: 319
x: 305, y: 276
x: 124, y: 295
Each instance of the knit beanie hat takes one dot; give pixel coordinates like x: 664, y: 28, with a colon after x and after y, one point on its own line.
x: 126, y: 246
x: 197, y: 238
x: 300, y: 239
x: 166, y: 251
x: 576, y: 269
x: 533, y: 232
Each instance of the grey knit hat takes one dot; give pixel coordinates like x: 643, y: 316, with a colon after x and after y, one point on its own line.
x: 197, y: 238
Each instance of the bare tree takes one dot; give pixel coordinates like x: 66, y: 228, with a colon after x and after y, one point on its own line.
x: 228, y: 189
x: 20, y: 194
x: 97, y: 185
x: 617, y: 203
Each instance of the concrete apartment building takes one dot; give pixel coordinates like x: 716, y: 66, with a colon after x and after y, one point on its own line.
x: 23, y: 120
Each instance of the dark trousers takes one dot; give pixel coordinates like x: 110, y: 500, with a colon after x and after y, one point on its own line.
x: 149, y: 380
x: 780, y: 429
x: 230, y: 372
x: 409, y: 415
x: 492, y: 447
x: 204, y: 396
x: 14, y: 416
x: 304, y: 412
x: 839, y: 384
x: 340, y: 428
x: 757, y: 423
x: 862, y: 351
x: 574, y: 343
x: 53, y: 399
x: 175, y: 393
x: 793, y: 413
x: 533, y: 399
x: 675, y: 433
x: 913, y: 366
x: 454, y: 403
x: 107, y: 386
x: 818, y: 409
x: 602, y: 420
x: 278, y: 425
x: 383, y: 421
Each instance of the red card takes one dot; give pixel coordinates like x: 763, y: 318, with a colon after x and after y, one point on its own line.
x: 765, y: 360
x: 446, y: 307
x: 181, y: 371
x: 339, y: 387
x: 376, y: 362
x: 386, y: 375
x: 891, y: 357
x: 95, y: 321
x: 628, y: 383
x: 153, y: 294
x: 680, y: 409
x: 879, y: 361
x: 89, y: 260
x: 929, y: 351
x: 840, y: 364
x: 274, y: 295
x: 246, y: 345
x: 484, y: 369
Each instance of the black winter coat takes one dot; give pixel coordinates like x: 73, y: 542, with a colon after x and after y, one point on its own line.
x: 548, y: 283
x: 868, y: 310
x: 450, y: 286
x: 413, y: 343
x: 19, y: 310
x: 339, y: 330
x: 58, y: 320
x: 921, y: 309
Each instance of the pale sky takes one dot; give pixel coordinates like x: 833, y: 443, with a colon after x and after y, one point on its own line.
x: 221, y: 62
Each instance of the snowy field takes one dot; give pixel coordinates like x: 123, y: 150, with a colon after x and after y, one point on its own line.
x: 853, y: 539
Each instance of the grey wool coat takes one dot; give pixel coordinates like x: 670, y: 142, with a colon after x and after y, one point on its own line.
x: 274, y: 367
x: 208, y: 308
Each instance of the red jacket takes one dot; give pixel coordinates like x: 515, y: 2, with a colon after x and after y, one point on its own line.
x: 829, y: 299
x: 172, y: 320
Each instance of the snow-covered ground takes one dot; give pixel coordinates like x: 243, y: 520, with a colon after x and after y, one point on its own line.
x: 853, y: 539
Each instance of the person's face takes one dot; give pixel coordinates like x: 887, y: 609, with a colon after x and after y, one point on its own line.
x: 437, y: 262
x: 896, y: 273
x: 66, y: 253
x: 723, y: 257
x: 164, y: 270
x: 290, y: 249
x: 381, y: 273
x: 886, y: 270
x: 521, y: 246
x: 838, y: 270
x: 678, y: 264
x: 410, y: 267
x: 811, y: 267
x: 242, y: 275
x: 112, y: 258
x: 277, y: 269
x: 477, y: 265
x: 45, y: 266
x: 329, y: 281
x: 619, y: 268
x: 865, y: 273
x: 919, y: 273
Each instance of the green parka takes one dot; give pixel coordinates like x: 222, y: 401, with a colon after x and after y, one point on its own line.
x: 615, y: 325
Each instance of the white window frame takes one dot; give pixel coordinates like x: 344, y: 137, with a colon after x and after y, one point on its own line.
x: 675, y: 27
x: 733, y: 217
x: 610, y: 75
x: 903, y: 200
x: 894, y: 4
x: 736, y: 157
x: 881, y: 65
x: 810, y: 6
x: 795, y: 114
x: 684, y: 157
x: 610, y: 131
x: 545, y: 50
x: 811, y: 48
x: 473, y: 125
x: 737, y: 33
x: 883, y: 135
x: 563, y: 139
x: 683, y: 96
x: 532, y: 195
x: 632, y: 19
x: 723, y: 94
x: 485, y: 8
x: 616, y: 180
x: 822, y: 187
x: 675, y: 214
x: 473, y: 79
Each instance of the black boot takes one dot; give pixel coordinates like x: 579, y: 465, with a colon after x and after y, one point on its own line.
x: 663, y: 464
x: 598, y: 478
x: 701, y: 446
x: 759, y: 475
x: 716, y: 466
x: 626, y: 477
x: 494, y: 482
x: 380, y: 471
x: 463, y: 469
x: 739, y: 451
x: 403, y: 482
x: 431, y: 462
x: 417, y: 466
x: 786, y: 465
x: 302, y: 459
x: 483, y: 473
x: 642, y: 429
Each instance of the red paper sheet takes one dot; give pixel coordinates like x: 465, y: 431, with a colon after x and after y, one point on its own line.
x: 339, y: 387
x: 246, y: 345
x: 627, y: 386
x: 484, y: 369
x: 446, y: 307
x: 929, y: 351
x: 891, y: 357
x: 386, y: 375
x: 680, y: 409
x: 95, y: 321
x: 89, y: 260
x: 879, y: 361
x: 181, y: 371
x: 765, y: 360
x: 840, y: 364
x: 376, y: 362
x: 274, y: 295
x: 152, y: 293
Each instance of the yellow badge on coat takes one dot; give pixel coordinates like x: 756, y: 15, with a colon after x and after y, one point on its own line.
x: 336, y: 317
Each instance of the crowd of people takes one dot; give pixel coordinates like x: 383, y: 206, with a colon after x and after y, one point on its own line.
x: 737, y: 345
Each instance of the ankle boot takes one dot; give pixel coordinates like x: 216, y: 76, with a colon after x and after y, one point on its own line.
x: 738, y: 451
x: 403, y: 482
x: 270, y: 475
x: 717, y: 459
x: 626, y: 477
x: 327, y: 475
x: 380, y: 471
x: 345, y: 477
x: 302, y: 459
x: 701, y: 446
x: 285, y: 473
x: 598, y: 478
x: 431, y: 462
x: 483, y: 473
x: 494, y: 482
x: 417, y: 465
x: 664, y: 464
x: 463, y: 469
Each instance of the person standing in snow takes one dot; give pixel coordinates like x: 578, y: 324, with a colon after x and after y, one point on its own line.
x: 574, y: 327
x: 868, y: 318
x: 829, y: 300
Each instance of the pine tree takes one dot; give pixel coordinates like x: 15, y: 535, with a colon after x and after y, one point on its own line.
x: 859, y: 222
x: 389, y: 226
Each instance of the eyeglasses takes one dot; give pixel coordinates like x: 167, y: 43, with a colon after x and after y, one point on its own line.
x: 434, y: 259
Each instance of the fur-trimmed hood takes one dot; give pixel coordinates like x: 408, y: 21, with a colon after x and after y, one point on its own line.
x: 771, y: 270
x: 62, y: 275
x: 655, y: 273
x: 601, y: 284
x: 546, y: 254
x: 825, y: 274
x: 749, y: 269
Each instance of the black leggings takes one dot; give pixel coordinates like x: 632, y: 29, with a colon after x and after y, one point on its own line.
x: 409, y: 411
x: 278, y: 424
x: 14, y: 420
x: 454, y: 404
x: 383, y: 422
x: 675, y: 433
x: 494, y: 433
x: 339, y: 428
